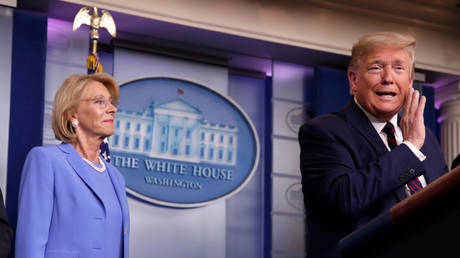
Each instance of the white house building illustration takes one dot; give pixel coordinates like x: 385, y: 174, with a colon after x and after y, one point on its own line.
x: 174, y: 130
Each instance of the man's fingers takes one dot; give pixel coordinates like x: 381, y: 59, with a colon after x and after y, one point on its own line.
x: 408, y: 103
x: 412, y: 124
x: 421, y: 107
x: 414, y: 102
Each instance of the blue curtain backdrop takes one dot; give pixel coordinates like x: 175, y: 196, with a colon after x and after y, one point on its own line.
x: 27, y: 93
x: 331, y: 90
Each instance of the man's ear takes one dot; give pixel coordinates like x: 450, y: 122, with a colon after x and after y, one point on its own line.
x: 352, y: 79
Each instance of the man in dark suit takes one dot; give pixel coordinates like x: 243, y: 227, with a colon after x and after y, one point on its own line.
x: 354, y: 166
x: 6, y: 234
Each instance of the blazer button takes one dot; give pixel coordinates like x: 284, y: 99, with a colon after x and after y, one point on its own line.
x: 403, y: 177
x: 411, y: 171
x: 126, y: 230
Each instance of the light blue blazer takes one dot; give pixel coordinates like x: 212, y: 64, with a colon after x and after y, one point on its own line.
x: 61, y: 214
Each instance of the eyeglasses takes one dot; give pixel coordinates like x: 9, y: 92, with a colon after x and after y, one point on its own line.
x: 101, y: 102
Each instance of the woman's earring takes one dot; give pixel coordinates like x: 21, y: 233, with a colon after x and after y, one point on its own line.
x: 75, y: 123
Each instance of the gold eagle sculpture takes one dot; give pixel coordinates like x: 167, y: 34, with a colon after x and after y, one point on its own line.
x: 95, y: 22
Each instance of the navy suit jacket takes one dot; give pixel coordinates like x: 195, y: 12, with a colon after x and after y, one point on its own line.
x: 349, y: 177
x: 6, y: 234
x: 61, y: 213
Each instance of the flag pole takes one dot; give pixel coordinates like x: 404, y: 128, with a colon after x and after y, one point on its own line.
x: 94, y: 21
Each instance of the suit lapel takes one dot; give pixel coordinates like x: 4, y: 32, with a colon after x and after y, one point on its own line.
x: 121, y: 195
x: 81, y: 169
x: 359, y: 121
x: 119, y: 190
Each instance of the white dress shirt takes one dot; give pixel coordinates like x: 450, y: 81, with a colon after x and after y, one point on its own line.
x: 399, y: 139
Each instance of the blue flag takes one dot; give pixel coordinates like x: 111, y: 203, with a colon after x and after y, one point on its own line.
x: 105, y: 152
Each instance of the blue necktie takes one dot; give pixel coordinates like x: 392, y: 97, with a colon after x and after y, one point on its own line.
x: 415, y: 184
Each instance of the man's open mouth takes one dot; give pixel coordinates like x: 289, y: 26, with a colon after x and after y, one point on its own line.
x: 386, y: 93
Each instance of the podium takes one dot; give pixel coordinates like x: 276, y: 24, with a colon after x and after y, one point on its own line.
x: 426, y: 224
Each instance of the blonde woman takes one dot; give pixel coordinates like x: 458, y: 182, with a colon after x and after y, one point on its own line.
x: 71, y: 202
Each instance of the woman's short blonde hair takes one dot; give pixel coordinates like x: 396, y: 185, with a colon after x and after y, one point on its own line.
x: 371, y: 42
x: 68, y: 97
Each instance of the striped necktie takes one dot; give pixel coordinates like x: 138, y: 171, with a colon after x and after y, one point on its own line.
x: 414, y: 185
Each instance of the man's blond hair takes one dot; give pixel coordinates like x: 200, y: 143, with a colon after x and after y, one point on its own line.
x: 371, y: 42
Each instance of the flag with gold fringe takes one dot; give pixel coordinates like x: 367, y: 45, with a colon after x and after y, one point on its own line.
x: 92, y: 64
